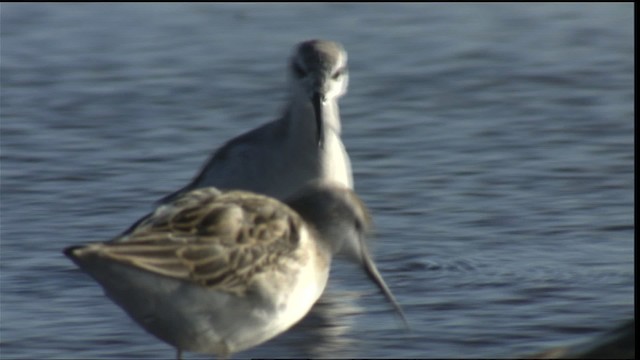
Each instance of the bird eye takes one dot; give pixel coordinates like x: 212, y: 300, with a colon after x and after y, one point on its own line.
x: 358, y: 225
x: 297, y: 70
x: 338, y: 73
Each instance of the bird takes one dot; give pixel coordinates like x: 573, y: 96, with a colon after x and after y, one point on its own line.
x: 218, y: 272
x: 304, y: 144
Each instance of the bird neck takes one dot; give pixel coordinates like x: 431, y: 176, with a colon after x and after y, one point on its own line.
x: 302, y: 119
x: 321, y: 221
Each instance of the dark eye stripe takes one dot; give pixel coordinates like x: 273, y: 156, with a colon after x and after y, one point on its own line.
x: 297, y: 70
x: 339, y: 73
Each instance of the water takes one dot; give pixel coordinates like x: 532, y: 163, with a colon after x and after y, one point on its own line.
x: 493, y: 143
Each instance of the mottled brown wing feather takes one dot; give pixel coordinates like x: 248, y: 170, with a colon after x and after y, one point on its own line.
x: 218, y: 240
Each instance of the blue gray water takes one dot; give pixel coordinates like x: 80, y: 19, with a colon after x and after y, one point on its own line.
x: 493, y: 143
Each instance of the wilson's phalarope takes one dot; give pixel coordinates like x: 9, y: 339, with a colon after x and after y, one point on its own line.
x: 220, y: 272
x: 281, y: 156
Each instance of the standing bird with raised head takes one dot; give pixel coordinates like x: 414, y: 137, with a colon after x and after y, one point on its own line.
x: 281, y: 156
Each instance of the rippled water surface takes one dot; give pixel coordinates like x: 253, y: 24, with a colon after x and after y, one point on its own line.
x: 493, y: 143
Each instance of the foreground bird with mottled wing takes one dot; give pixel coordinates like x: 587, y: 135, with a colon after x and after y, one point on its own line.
x: 220, y: 272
